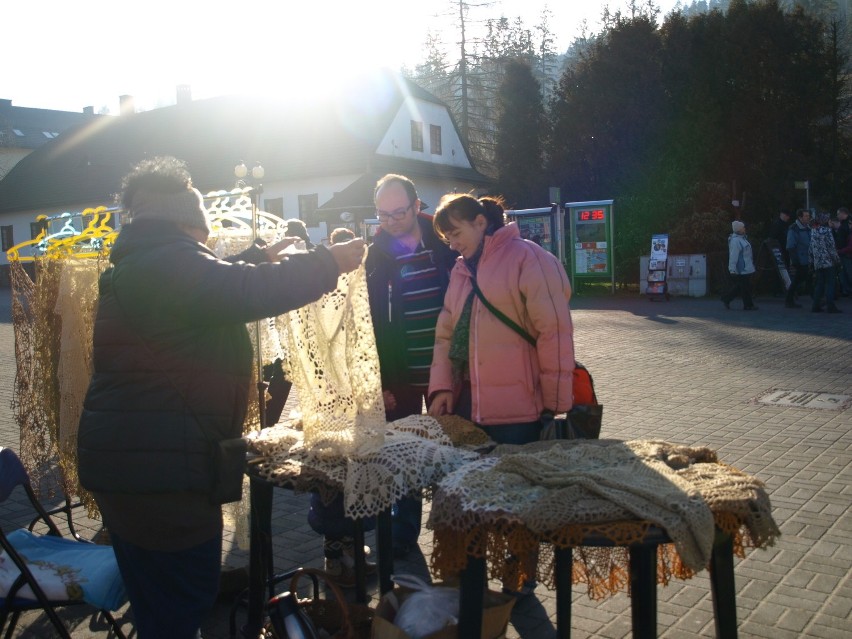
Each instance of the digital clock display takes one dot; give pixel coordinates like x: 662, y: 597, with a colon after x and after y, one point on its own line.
x: 594, y: 215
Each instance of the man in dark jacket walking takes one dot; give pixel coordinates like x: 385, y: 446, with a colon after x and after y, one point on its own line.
x: 172, y: 374
x: 798, y: 242
x: 408, y: 271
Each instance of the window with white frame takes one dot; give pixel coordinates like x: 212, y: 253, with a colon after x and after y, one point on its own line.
x: 416, y: 136
x: 435, y: 139
x: 7, y: 237
x: 308, y: 205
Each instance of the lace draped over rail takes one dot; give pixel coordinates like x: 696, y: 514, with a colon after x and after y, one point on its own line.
x: 562, y: 492
x: 415, y: 454
x: 53, y: 321
x: 330, y: 356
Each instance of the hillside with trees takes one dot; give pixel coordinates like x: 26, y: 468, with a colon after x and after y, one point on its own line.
x: 710, y: 114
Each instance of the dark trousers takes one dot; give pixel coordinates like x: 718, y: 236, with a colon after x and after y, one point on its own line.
x: 407, y: 513
x: 170, y: 592
x: 846, y: 274
x: 740, y: 286
x: 801, y: 276
x: 824, y: 284
x: 329, y: 520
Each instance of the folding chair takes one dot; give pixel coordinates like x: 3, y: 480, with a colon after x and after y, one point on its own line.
x: 50, y: 571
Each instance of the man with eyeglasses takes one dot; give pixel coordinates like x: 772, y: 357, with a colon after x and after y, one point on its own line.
x: 408, y: 271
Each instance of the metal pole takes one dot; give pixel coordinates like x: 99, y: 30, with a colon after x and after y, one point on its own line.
x: 261, y: 384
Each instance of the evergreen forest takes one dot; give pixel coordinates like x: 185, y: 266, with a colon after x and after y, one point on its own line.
x: 717, y: 111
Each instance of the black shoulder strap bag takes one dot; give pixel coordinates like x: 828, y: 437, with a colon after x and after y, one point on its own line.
x: 582, y: 421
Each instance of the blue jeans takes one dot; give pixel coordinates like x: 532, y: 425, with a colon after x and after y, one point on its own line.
x: 522, y: 433
x: 170, y: 592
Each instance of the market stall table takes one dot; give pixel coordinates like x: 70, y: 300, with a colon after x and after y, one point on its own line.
x: 415, y: 454
x: 605, y: 513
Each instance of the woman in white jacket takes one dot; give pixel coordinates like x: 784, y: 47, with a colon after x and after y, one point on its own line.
x: 740, y: 266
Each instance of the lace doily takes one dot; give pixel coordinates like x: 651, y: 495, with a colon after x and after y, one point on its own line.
x: 415, y: 454
x: 561, y: 492
x: 330, y: 356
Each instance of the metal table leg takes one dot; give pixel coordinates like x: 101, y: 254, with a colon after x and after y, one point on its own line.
x: 384, y: 543
x: 260, y: 554
x: 563, y: 567
x: 472, y: 582
x: 643, y: 590
x: 360, y: 562
x: 723, y: 587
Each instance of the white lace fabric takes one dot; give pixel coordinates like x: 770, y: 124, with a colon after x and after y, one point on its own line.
x: 415, y: 454
x: 330, y: 356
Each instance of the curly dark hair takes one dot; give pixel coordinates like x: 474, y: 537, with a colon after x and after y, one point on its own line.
x: 162, y: 174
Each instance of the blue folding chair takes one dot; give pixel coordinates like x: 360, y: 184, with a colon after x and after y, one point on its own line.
x: 50, y: 571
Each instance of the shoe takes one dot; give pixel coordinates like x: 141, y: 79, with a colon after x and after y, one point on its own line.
x: 526, y: 590
x: 340, y: 561
x: 816, y: 309
x: 727, y: 304
x: 792, y: 305
x: 750, y: 308
x: 341, y: 570
x: 834, y: 309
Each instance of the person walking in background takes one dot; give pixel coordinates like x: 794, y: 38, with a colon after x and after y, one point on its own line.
x: 740, y: 266
x: 778, y: 234
x: 172, y: 373
x: 823, y: 258
x: 341, y: 234
x: 843, y: 242
x: 798, y: 241
x: 408, y: 270
x: 297, y: 228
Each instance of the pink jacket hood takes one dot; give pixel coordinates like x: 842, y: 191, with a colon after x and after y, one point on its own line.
x: 511, y: 380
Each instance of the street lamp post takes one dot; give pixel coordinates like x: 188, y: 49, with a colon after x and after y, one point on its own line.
x: 252, y: 181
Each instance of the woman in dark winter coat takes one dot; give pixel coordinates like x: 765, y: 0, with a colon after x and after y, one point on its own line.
x: 172, y: 371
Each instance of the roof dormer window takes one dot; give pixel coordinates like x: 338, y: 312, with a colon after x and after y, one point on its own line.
x: 18, y: 132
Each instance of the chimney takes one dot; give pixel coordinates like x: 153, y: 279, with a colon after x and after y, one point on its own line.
x: 89, y: 110
x: 184, y: 94
x: 126, y: 105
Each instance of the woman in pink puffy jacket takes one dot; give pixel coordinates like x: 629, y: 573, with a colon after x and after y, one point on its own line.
x: 483, y: 369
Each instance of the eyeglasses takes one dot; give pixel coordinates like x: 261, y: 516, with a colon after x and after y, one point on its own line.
x: 396, y: 216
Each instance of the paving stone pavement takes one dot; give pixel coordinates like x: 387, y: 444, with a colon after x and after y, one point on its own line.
x: 686, y: 371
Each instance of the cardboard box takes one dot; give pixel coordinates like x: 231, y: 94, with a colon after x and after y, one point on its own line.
x: 495, y: 618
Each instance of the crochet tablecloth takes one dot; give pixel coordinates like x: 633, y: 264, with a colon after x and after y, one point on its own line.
x: 416, y: 454
x: 557, y: 494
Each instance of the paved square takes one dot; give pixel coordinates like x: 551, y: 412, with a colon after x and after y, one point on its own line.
x: 685, y: 371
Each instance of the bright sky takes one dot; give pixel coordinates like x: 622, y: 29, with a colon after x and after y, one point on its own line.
x: 68, y: 55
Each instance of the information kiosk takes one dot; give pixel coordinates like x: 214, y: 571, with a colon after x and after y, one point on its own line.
x: 545, y: 226
x: 591, y: 234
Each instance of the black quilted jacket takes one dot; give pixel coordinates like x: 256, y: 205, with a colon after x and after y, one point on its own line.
x: 172, y: 355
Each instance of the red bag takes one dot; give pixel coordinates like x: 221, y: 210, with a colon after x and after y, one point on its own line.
x: 584, y: 387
